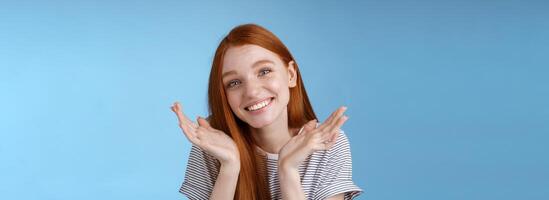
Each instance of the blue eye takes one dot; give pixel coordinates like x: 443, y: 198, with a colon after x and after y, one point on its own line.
x: 233, y: 83
x: 264, y: 71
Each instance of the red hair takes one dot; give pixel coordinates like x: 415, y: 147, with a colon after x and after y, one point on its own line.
x: 300, y: 111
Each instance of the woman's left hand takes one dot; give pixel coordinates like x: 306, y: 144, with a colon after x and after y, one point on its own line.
x: 311, y: 139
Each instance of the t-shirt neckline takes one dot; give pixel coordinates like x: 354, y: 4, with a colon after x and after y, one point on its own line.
x: 274, y: 156
x: 270, y: 156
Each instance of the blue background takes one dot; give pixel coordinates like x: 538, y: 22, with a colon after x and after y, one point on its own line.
x: 447, y: 99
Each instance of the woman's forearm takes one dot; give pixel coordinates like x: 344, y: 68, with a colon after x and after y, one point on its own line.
x: 225, y: 185
x: 290, y: 184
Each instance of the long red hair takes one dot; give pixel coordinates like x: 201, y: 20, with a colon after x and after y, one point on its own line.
x: 251, y: 185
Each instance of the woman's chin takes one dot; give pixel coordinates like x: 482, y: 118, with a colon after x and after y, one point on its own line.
x: 259, y: 123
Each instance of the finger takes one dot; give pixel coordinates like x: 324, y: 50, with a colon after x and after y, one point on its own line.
x: 187, y: 126
x: 335, y: 128
x: 337, y: 125
x: 309, y: 126
x: 334, y: 116
x: 328, y: 143
x: 173, y: 106
x: 328, y: 119
x: 334, y: 138
x: 339, y: 112
x: 180, y: 116
x: 189, y: 132
x: 332, y: 142
x: 203, y: 122
x: 176, y: 108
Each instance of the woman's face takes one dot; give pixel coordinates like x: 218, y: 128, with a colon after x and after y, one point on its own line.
x: 257, y: 84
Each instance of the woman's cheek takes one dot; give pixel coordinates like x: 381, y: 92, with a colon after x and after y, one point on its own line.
x: 274, y: 84
x: 234, y: 101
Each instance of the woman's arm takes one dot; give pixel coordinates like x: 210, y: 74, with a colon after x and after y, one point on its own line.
x: 290, y: 185
x: 225, y: 185
x: 311, y: 139
x: 219, y: 145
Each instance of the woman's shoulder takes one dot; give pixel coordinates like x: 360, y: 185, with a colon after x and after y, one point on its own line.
x: 200, y: 160
x: 330, y: 171
x: 341, y: 144
x: 200, y: 175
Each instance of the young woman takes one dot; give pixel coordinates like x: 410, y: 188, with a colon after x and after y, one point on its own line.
x: 262, y: 139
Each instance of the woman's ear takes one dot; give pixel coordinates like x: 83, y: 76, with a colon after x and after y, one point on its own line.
x: 292, y: 74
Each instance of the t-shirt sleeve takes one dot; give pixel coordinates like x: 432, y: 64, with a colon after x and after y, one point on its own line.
x: 336, y: 175
x: 200, y: 175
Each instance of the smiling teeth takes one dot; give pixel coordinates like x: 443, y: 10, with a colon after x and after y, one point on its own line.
x: 259, y: 105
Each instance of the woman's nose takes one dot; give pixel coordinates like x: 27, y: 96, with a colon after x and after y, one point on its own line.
x: 252, y: 88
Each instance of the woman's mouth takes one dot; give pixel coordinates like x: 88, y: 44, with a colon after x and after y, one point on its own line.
x: 260, y: 106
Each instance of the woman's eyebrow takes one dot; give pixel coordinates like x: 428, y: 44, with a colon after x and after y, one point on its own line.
x: 256, y: 64
x: 227, y: 73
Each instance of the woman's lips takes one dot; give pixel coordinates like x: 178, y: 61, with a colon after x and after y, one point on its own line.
x: 263, y: 109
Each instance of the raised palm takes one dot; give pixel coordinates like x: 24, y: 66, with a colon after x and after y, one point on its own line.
x: 312, y: 138
x: 213, y: 141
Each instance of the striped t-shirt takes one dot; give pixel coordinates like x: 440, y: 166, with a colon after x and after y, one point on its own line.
x: 323, y: 174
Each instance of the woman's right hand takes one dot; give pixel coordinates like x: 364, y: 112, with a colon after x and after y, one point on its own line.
x: 213, y: 141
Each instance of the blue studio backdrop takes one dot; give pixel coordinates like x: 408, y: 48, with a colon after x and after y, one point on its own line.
x: 447, y: 99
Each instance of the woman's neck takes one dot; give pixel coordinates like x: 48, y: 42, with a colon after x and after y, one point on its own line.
x: 274, y: 136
